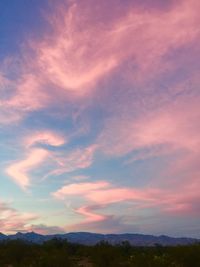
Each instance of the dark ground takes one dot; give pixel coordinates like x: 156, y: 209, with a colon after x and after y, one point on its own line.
x: 58, y: 253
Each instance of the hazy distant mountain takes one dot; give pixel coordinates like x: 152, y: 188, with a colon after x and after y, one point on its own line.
x: 29, y: 237
x: 92, y: 238
x: 2, y: 236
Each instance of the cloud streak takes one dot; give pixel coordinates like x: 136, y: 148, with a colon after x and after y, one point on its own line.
x: 11, y: 220
x: 71, y: 59
x: 106, y: 94
x: 19, y: 170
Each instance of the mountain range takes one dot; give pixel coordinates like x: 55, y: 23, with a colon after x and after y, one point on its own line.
x: 87, y: 238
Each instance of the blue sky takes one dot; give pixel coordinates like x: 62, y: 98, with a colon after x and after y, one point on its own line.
x: 99, y: 116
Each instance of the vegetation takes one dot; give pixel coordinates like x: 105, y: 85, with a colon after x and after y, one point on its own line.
x: 59, y: 253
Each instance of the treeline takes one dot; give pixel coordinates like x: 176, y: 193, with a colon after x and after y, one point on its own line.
x: 59, y: 253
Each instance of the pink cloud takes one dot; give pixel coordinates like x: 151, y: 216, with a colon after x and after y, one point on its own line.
x: 12, y: 220
x: 27, y: 96
x: 45, y: 137
x: 91, y: 216
x: 71, y: 60
x: 169, y: 201
x: 171, y: 127
x: 3, y: 82
x: 35, y: 156
x: 102, y: 193
x: 79, y: 189
x: 138, y: 45
x: 80, y: 158
x: 20, y: 169
x: 170, y: 130
x: 114, y: 195
x: 99, y: 194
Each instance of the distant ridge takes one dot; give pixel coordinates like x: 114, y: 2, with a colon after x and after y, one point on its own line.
x: 87, y: 238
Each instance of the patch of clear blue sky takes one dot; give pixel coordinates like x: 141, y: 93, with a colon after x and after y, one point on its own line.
x: 119, y: 173
x: 20, y: 19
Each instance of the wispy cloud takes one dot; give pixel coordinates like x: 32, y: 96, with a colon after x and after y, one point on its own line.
x: 11, y: 219
x: 19, y: 170
x: 97, y: 87
x: 80, y: 158
x: 102, y: 194
x: 70, y: 59
x: 49, y: 138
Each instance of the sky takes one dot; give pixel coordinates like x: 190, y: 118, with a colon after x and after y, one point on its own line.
x: 100, y: 116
